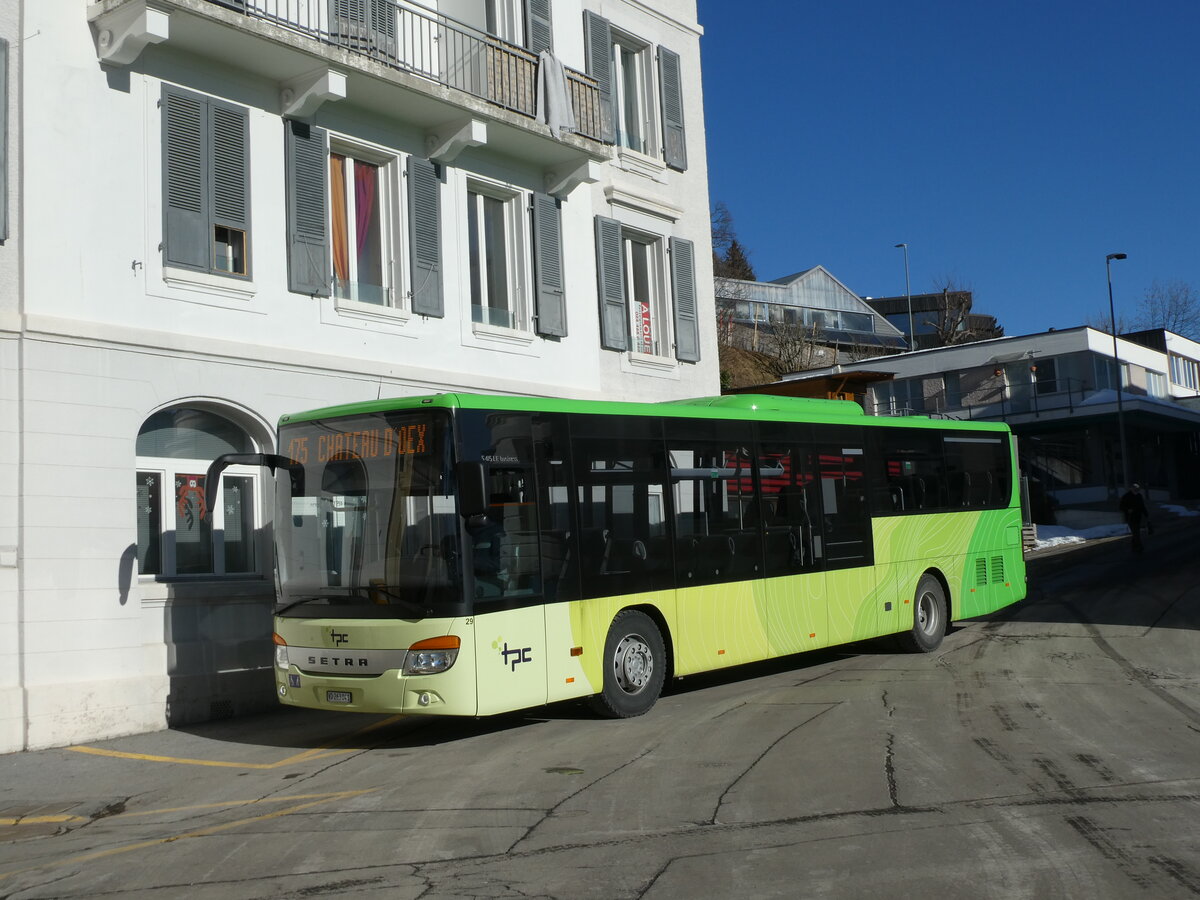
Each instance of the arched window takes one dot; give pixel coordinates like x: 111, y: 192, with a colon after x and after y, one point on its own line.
x: 176, y: 534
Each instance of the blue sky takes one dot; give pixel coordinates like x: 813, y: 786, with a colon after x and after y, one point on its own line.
x: 1011, y: 144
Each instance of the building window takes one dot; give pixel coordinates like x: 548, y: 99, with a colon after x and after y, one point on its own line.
x: 1185, y: 372
x: 900, y: 398
x: 495, y: 247
x: 176, y: 533
x: 643, y: 288
x: 1046, y: 377
x: 206, y: 179
x: 635, y: 302
x: 360, y: 217
x: 952, y: 390
x: 632, y: 93
x: 1103, y: 370
x: 1156, y: 384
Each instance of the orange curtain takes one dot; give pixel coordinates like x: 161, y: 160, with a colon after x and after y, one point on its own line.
x: 337, y: 198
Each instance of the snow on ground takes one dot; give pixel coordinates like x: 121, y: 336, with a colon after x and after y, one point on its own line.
x: 1057, y: 535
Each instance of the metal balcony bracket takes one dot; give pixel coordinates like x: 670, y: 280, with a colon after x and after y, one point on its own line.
x: 561, y: 181
x: 123, y: 33
x: 300, y: 97
x: 451, y: 139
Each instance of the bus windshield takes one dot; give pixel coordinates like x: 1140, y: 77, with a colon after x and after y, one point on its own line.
x: 367, y: 519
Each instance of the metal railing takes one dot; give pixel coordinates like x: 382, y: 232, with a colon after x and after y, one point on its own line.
x: 433, y: 46
x: 1031, y: 399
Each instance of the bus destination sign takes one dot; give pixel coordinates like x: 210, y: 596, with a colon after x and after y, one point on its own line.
x: 368, y: 443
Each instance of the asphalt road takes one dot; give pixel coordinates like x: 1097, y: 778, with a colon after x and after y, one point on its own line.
x: 1051, y: 750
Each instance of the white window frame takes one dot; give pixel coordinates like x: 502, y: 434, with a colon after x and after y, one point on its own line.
x: 168, y: 470
x: 661, y: 339
x: 391, y: 224
x: 633, y: 85
x: 1156, y: 383
x: 516, y: 255
x: 1185, y: 372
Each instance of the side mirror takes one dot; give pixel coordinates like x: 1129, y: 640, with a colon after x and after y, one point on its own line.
x: 271, y: 461
x: 472, y: 489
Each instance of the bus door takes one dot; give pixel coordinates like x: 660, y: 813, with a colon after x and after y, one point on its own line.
x: 503, y: 562
x: 793, y: 544
x: 854, y: 610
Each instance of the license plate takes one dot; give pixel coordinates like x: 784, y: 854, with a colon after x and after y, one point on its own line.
x: 338, y: 697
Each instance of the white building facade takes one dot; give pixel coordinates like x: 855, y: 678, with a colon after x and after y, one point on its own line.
x: 222, y: 211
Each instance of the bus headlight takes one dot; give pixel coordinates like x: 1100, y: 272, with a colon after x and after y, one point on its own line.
x: 281, y: 656
x: 432, y: 656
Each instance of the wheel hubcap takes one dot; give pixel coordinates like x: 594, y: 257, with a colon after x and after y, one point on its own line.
x: 927, y: 613
x: 633, y: 663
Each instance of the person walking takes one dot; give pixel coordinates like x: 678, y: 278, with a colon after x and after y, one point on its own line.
x: 1133, y: 509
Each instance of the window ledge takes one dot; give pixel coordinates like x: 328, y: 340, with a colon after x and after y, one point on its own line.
x: 224, y: 286
x: 641, y: 164
x: 648, y: 364
x: 355, y: 309
x: 512, y: 337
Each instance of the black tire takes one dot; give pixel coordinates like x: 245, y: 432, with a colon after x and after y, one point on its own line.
x: 635, y: 666
x: 930, y: 618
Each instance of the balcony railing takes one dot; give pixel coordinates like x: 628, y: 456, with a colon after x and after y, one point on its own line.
x: 1006, y: 400
x: 430, y: 45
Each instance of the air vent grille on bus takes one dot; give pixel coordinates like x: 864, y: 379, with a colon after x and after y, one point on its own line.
x: 997, y: 570
x: 981, y: 572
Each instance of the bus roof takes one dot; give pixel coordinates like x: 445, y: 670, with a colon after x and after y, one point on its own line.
x: 744, y: 407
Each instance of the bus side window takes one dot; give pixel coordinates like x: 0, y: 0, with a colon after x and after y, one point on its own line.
x: 790, y: 506
x: 619, y: 465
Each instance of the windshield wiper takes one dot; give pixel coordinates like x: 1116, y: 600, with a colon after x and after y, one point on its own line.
x: 358, y: 592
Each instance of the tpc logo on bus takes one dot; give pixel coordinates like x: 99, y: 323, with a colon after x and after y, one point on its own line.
x: 514, y: 656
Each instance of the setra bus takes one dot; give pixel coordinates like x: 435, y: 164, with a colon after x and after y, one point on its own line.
x: 467, y: 555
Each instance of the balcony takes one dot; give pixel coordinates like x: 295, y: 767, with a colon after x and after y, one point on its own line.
x: 412, y: 64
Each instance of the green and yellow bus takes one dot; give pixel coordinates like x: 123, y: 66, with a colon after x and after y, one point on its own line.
x: 469, y: 555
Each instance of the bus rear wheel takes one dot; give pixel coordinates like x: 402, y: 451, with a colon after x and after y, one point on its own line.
x: 635, y: 666
x: 930, y: 617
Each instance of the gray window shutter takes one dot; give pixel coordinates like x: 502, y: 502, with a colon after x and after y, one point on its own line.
x: 683, y: 286
x: 230, y: 130
x: 425, y: 235
x: 383, y: 26
x: 549, y: 284
x: 598, y: 59
x: 610, y: 274
x: 185, y: 120
x: 670, y: 82
x: 348, y: 22
x: 306, y: 163
x: 539, y: 31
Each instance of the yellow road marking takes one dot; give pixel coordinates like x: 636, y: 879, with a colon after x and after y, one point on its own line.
x: 330, y: 749
x: 313, y: 800
x: 39, y: 820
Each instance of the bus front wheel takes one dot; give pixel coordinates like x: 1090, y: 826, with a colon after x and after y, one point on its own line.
x: 930, y: 617
x: 635, y: 666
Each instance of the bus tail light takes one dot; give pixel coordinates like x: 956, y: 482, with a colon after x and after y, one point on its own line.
x: 281, y: 654
x: 431, y: 656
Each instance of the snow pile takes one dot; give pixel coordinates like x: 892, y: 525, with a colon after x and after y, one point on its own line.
x: 1058, y: 535
x: 1179, y: 510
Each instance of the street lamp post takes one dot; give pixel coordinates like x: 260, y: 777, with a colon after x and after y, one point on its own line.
x: 1112, y: 317
x: 912, y: 337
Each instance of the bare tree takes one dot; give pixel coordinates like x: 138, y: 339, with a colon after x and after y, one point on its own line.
x: 1171, y: 305
x: 1101, y: 322
x: 794, y: 347
x: 953, y: 322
